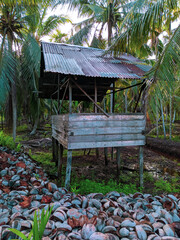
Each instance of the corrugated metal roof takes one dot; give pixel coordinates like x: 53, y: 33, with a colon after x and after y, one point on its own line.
x: 89, y: 62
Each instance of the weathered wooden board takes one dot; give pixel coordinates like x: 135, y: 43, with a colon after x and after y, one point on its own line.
x: 60, y: 139
x: 80, y: 131
x: 105, y: 144
x: 100, y: 117
x: 107, y: 123
x: 104, y: 130
x: 105, y: 138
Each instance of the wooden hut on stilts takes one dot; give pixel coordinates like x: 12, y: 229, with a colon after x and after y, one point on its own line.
x: 70, y: 72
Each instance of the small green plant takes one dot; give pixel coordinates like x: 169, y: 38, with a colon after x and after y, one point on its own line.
x: 22, y: 128
x: 148, y: 177
x: 8, y: 141
x: 38, y: 227
x: 171, y: 186
x: 86, y: 186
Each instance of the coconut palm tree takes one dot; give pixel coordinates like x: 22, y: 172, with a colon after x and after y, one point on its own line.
x: 102, y: 15
x: 40, y: 24
x: 59, y: 37
x: 13, y: 33
x: 148, y: 21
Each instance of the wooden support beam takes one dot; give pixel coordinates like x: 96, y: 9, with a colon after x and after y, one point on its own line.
x: 90, y: 99
x: 60, y: 156
x: 95, y: 110
x: 54, y: 149
x: 112, y: 111
x: 106, y: 156
x: 141, y: 160
x: 68, y: 169
x: 118, y: 160
x: 97, y: 153
x: 56, y: 152
x: 70, y: 98
x: 58, y: 94
x: 105, y: 149
x: 67, y: 84
x: 95, y: 96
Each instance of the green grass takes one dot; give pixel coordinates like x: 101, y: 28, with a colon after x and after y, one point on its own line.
x: 78, y: 153
x: 86, y: 186
x: 46, y: 160
x: 7, y: 141
x: 48, y: 125
x: 174, y: 138
x: 22, y: 128
x: 171, y: 186
x: 129, y: 181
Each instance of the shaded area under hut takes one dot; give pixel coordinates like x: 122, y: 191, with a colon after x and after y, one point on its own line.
x: 70, y: 72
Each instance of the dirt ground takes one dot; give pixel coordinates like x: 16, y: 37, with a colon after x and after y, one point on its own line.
x: 161, y: 160
x: 154, y: 162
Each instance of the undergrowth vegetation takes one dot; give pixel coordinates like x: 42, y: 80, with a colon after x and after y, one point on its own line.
x: 128, y: 182
x: 7, y: 141
x: 86, y: 186
x: 175, y: 133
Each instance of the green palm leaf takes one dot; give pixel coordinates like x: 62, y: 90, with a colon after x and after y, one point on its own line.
x: 8, y: 65
x: 79, y: 37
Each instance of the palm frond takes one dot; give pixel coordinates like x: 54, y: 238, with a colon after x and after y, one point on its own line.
x: 51, y: 23
x: 30, y: 62
x: 142, y: 19
x: 8, y: 65
x: 168, y: 65
x: 79, y: 37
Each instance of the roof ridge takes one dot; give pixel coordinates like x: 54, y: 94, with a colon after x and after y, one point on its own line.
x: 71, y: 45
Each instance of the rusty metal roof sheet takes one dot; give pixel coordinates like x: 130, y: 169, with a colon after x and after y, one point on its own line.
x: 89, y: 62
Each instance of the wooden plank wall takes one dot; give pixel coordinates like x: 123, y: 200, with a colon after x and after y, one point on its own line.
x: 80, y: 131
x: 60, y: 128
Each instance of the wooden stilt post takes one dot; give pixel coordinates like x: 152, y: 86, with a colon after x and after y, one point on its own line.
x: 95, y: 110
x: 56, y: 152
x: 141, y: 165
x: 58, y: 94
x: 112, y: 111
x: 105, y: 149
x: 118, y: 160
x: 68, y: 169
x: 60, y: 155
x: 69, y: 152
x: 106, y: 156
x: 70, y: 97
x: 53, y: 149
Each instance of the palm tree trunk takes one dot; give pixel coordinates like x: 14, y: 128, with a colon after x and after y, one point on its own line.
x: 14, y: 108
x: 164, y: 129
x: 35, y: 126
x: 157, y: 118
x: 170, y: 116
x: 109, y: 24
x: 109, y: 32
x: 174, y: 116
x: 13, y: 92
